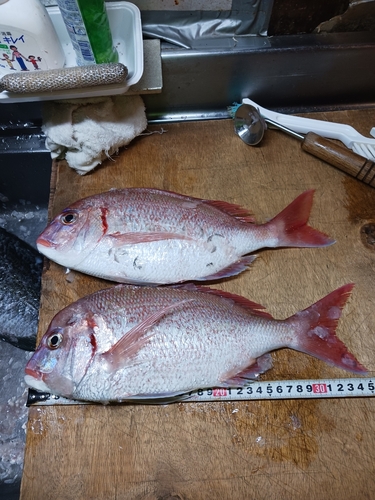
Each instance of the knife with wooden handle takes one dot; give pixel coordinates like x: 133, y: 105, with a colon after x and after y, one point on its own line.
x: 341, y: 157
x: 333, y: 153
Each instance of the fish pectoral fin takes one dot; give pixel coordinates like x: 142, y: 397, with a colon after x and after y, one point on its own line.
x: 119, y: 239
x: 133, y: 340
x: 252, y: 372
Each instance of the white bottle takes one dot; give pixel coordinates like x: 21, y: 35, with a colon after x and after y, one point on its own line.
x: 28, y: 39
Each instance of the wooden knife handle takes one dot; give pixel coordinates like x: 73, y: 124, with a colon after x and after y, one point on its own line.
x: 341, y: 157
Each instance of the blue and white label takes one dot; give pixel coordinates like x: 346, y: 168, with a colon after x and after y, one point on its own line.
x: 77, y: 31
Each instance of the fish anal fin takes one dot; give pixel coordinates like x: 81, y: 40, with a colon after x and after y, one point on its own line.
x: 240, y: 213
x: 130, y: 344
x: 236, y: 268
x: 119, y: 239
x: 252, y: 372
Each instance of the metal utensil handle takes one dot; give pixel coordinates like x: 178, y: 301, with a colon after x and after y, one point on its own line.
x: 65, y: 78
x: 340, y: 157
x: 332, y: 130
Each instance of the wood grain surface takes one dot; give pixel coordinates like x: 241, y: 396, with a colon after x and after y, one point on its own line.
x: 291, y: 449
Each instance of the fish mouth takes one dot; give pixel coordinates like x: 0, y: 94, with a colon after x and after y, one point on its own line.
x: 30, y: 372
x: 34, y: 378
x: 44, y: 243
x: 39, y: 385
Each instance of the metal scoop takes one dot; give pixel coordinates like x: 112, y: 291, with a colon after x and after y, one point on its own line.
x: 249, y: 125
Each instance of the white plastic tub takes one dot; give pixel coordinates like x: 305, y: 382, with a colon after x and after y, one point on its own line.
x: 125, y: 22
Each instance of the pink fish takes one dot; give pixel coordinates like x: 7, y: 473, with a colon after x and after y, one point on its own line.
x: 147, y: 236
x: 129, y: 342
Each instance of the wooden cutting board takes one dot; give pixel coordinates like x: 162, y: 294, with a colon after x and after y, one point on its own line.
x: 291, y: 449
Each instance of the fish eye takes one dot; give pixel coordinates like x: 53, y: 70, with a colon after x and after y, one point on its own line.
x: 54, y: 340
x: 68, y: 218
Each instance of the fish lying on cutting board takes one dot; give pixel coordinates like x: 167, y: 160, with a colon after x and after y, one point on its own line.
x: 20, y: 273
x: 148, y: 236
x: 130, y: 342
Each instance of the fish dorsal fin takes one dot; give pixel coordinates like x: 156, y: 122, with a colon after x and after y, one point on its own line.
x: 252, y: 307
x: 129, y: 345
x: 240, y: 213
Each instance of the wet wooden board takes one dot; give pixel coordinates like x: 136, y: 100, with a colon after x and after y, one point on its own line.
x: 295, y: 449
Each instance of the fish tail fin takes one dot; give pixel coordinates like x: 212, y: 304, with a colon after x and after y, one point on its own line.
x: 291, y: 228
x: 315, y: 329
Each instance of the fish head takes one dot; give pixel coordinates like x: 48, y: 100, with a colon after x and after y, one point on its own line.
x: 63, y: 356
x: 73, y: 234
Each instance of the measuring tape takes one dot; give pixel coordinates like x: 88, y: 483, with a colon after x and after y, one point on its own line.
x: 289, y: 389
x: 282, y: 389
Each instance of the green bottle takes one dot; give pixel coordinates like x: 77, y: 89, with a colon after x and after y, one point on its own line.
x: 89, y: 30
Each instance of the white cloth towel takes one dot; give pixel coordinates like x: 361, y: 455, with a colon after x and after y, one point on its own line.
x: 87, y: 131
